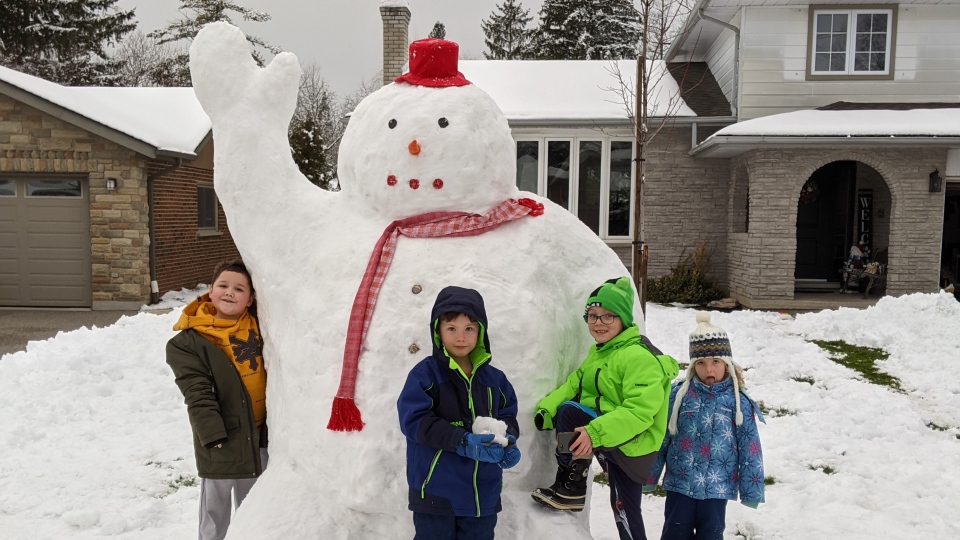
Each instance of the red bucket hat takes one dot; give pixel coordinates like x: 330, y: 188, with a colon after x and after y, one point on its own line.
x: 433, y: 62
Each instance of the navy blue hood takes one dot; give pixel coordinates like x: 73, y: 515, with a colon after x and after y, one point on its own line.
x: 459, y: 300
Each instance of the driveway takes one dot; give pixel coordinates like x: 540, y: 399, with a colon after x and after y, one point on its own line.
x: 18, y: 326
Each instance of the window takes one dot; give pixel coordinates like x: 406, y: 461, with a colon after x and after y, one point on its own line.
x: 54, y: 188
x: 855, y: 42
x: 206, y: 207
x: 592, y: 177
x: 8, y: 188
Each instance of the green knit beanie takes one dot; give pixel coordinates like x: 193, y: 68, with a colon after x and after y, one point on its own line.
x: 615, y: 295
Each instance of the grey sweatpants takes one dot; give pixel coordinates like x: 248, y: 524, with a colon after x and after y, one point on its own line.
x: 215, y: 502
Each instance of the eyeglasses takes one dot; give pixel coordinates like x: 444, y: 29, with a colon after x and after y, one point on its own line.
x: 606, y: 318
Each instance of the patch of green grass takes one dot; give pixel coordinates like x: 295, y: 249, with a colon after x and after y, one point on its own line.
x: 825, y: 468
x: 769, y: 480
x: 935, y: 427
x: 808, y: 380
x: 774, y: 413
x: 182, y: 481
x: 863, y: 360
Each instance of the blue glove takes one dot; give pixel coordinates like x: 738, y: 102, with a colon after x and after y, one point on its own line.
x: 753, y: 505
x: 480, y: 448
x: 511, y: 454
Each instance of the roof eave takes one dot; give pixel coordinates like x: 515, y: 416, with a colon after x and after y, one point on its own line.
x: 85, y: 123
x: 727, y: 146
x: 688, y: 25
x: 617, y: 122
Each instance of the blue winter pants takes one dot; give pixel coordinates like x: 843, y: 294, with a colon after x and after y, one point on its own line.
x: 434, y: 527
x: 686, y: 518
x: 625, y: 495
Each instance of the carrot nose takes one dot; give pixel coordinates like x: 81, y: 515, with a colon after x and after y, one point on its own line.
x: 413, y: 147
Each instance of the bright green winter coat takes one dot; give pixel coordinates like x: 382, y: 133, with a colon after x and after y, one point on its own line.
x: 628, y: 385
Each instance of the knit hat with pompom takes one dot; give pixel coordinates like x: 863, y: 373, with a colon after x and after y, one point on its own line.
x: 707, y: 341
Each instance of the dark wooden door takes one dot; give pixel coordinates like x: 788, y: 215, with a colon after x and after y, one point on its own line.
x: 824, y: 222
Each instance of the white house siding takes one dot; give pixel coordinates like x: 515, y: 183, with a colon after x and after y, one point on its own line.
x: 720, y: 60
x: 774, y: 61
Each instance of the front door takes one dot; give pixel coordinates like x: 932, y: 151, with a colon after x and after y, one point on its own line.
x: 824, y: 224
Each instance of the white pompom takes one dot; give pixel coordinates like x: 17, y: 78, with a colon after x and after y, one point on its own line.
x: 703, y: 317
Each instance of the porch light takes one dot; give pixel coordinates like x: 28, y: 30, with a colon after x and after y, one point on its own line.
x: 936, y: 181
x: 112, y: 184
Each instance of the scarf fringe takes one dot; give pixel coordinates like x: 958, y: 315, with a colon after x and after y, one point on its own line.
x: 345, y: 415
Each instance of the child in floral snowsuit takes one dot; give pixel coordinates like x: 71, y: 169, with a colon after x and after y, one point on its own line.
x: 712, y: 448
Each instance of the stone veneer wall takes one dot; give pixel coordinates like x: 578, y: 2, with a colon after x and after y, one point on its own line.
x: 685, y: 202
x: 32, y: 141
x: 396, y: 22
x: 762, y: 261
x: 186, y: 256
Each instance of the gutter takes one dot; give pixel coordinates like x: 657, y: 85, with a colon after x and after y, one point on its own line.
x: 735, y: 103
x: 744, y: 143
x: 154, y: 286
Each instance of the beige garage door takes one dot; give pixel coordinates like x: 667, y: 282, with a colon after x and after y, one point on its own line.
x: 44, y: 241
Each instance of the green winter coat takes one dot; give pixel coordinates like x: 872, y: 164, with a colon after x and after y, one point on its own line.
x: 628, y: 386
x: 219, y: 409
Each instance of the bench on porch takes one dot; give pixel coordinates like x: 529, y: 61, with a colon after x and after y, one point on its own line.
x: 874, y: 272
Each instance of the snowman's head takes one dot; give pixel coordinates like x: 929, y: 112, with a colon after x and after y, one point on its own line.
x: 413, y: 148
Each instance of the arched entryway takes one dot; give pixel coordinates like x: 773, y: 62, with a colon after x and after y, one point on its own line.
x: 842, y: 204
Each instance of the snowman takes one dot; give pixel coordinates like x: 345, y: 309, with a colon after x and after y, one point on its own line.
x: 345, y: 282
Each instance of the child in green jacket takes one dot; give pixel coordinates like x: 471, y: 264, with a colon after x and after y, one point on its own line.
x: 616, y: 404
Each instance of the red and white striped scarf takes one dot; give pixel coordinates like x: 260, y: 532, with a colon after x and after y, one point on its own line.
x: 345, y: 415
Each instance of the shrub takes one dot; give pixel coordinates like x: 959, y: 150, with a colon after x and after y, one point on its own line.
x: 687, y: 282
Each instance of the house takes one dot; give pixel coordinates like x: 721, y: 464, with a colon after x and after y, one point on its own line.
x: 790, y: 132
x: 106, y: 195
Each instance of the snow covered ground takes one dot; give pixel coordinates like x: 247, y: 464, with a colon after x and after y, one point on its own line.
x: 95, y: 440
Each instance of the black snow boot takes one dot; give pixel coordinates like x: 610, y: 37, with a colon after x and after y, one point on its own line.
x: 569, y: 492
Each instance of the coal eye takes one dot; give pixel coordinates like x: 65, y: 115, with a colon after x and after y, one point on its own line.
x: 443, y: 122
x: 392, y: 123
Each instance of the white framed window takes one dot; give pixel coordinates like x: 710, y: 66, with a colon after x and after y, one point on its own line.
x: 851, y: 42
x: 591, y: 176
x: 206, y: 207
x: 8, y: 188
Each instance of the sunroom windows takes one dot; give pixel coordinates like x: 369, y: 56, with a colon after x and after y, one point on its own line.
x: 592, y: 177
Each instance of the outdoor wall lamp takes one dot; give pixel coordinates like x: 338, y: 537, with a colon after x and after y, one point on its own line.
x: 112, y: 183
x: 936, y: 181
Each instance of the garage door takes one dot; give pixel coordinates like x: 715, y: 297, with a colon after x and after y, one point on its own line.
x: 44, y: 241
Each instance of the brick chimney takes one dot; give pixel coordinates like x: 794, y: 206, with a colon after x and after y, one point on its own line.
x: 396, y: 22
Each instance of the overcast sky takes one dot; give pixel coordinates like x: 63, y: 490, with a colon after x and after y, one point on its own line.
x: 344, y: 37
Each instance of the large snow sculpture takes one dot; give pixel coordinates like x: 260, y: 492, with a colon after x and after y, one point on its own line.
x: 409, y: 149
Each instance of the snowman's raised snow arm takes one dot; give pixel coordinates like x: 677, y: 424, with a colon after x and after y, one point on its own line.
x: 250, y: 108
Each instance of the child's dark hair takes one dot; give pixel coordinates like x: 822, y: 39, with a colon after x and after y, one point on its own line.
x: 451, y: 315
x: 236, y: 265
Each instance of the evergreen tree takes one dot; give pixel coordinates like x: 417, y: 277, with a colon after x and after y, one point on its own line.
x: 507, y: 35
x: 307, y: 146
x: 588, y: 30
x: 198, y: 13
x: 62, y: 40
x: 439, y: 31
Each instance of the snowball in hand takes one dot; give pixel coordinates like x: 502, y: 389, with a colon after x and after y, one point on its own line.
x: 484, y: 425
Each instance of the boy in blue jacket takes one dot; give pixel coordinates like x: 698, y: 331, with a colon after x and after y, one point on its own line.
x: 454, y: 475
x: 712, y: 448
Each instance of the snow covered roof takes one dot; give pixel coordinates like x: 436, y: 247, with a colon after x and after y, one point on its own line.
x: 571, y: 92
x: 151, y: 121
x: 830, y: 128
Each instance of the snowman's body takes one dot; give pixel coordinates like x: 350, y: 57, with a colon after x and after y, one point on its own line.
x: 308, y: 250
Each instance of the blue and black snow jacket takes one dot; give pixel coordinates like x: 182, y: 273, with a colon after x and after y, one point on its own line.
x: 437, y: 408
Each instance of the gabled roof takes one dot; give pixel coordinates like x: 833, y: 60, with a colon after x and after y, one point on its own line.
x: 572, y: 92
x: 155, y: 122
x: 886, y: 125
x: 698, y: 35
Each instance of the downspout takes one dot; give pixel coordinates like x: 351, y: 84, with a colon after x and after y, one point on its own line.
x: 736, y: 59
x: 154, y: 286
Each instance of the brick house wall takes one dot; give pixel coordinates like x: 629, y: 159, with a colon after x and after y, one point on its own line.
x: 186, y: 256
x: 32, y: 141
x: 762, y: 261
x: 685, y: 202
x: 396, y: 21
